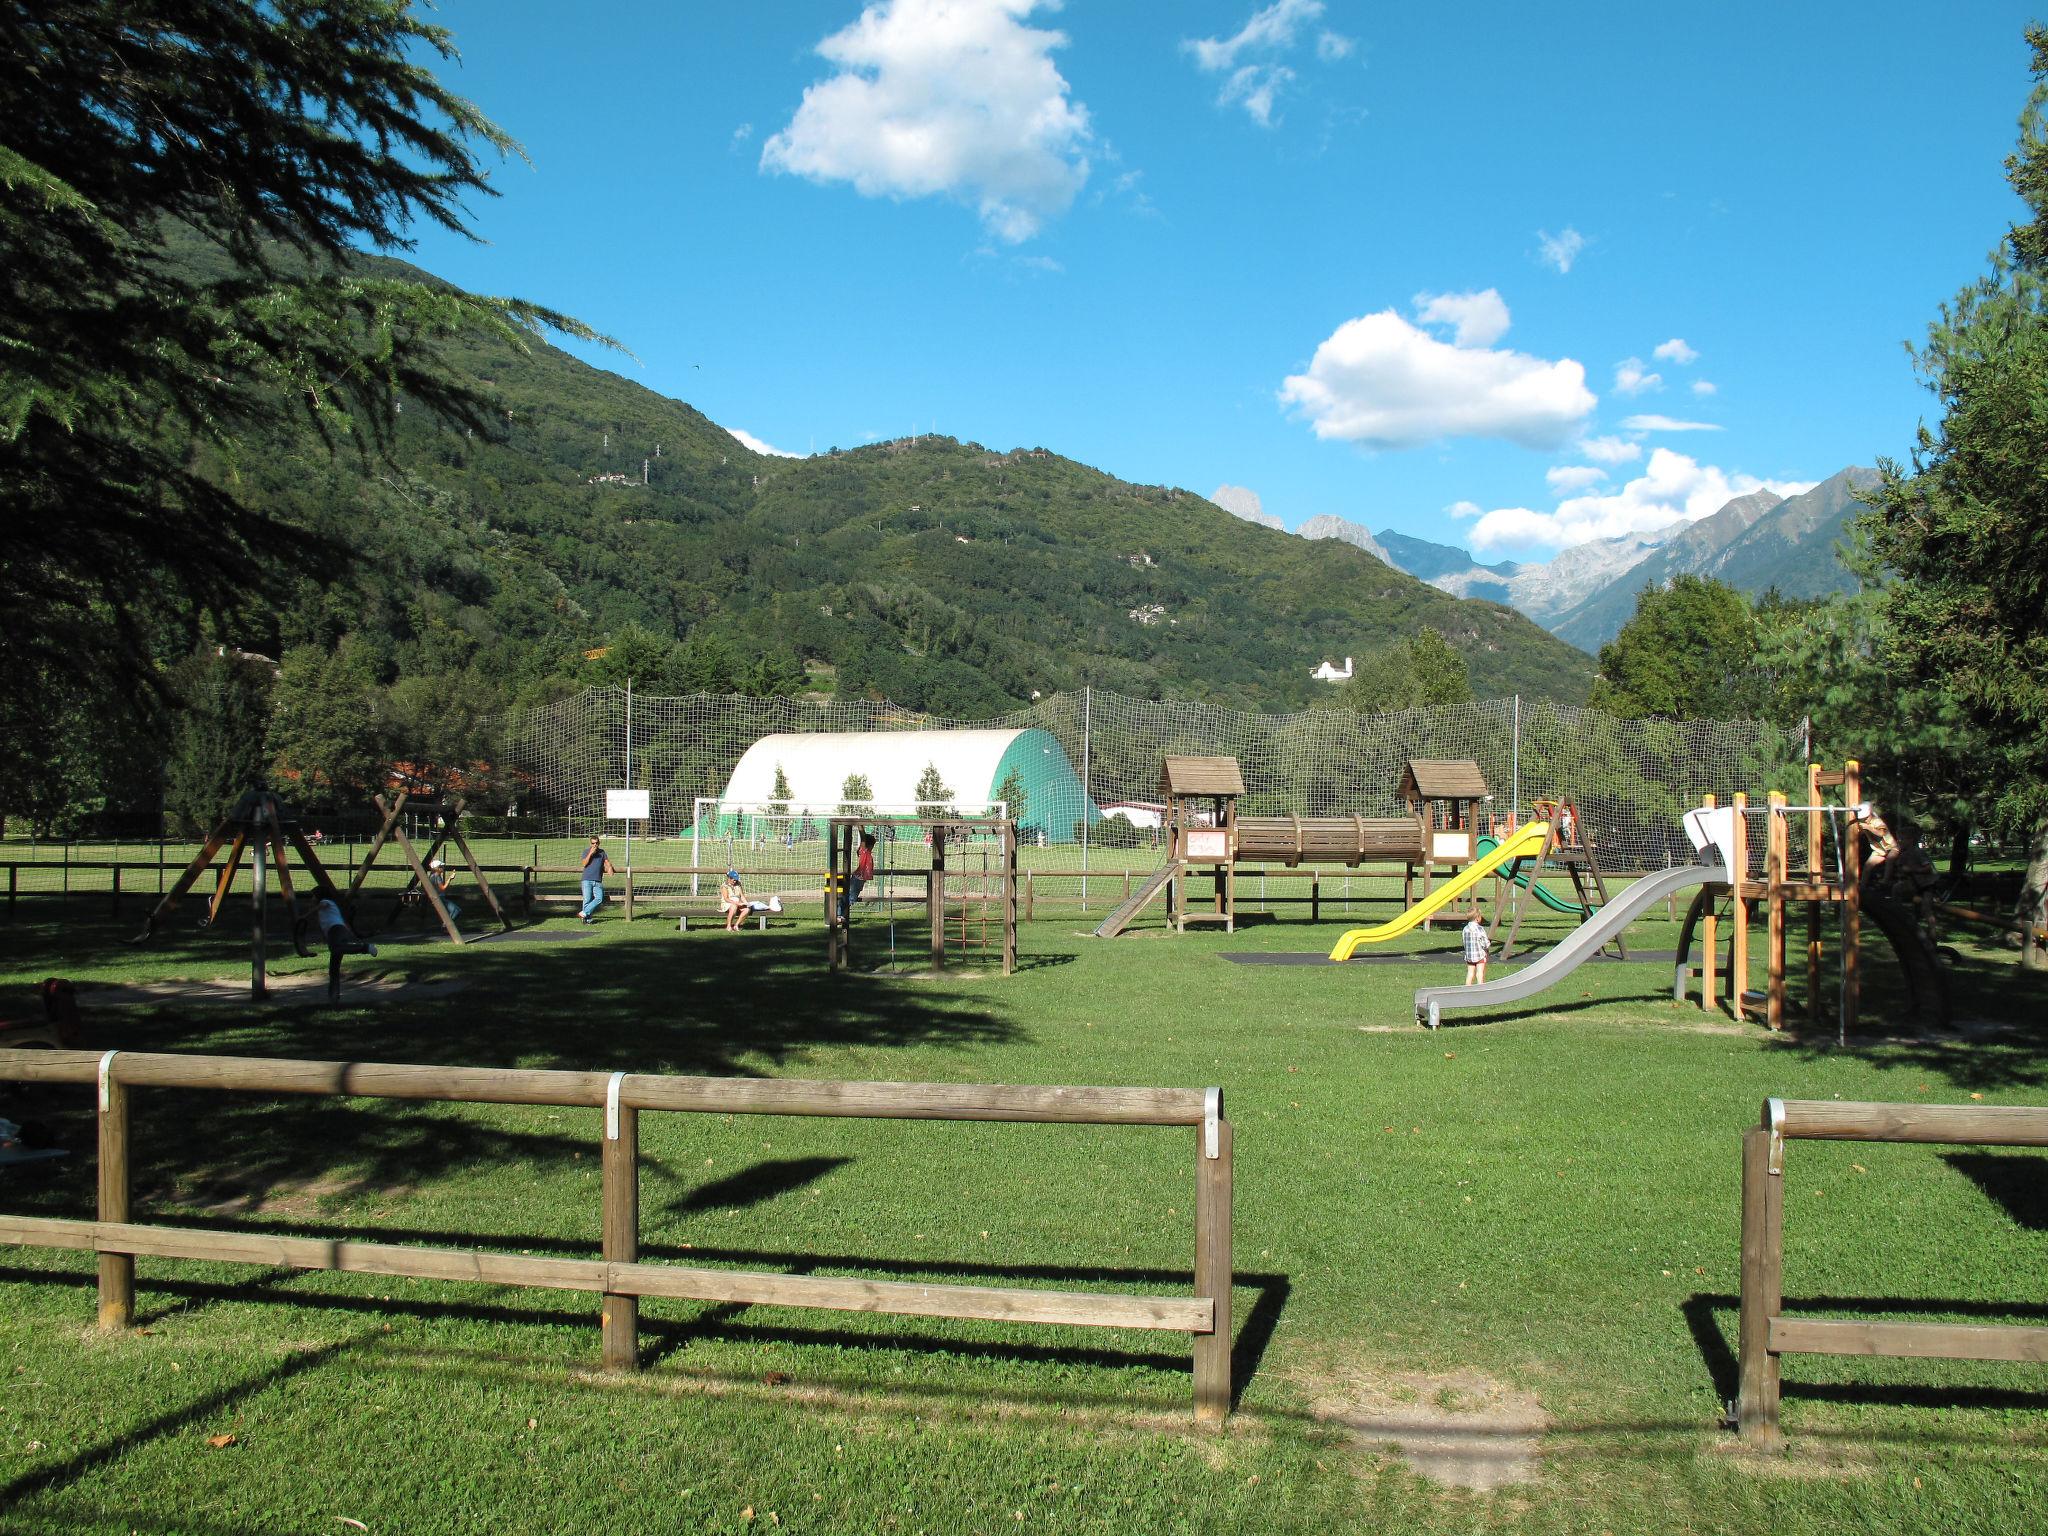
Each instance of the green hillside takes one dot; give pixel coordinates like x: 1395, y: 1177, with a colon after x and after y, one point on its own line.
x: 941, y: 574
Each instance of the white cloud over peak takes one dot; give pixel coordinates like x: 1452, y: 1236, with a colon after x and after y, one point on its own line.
x: 1675, y: 351
x: 1478, y: 319
x: 1566, y: 478
x: 1667, y: 424
x: 1560, y: 250
x: 749, y: 440
x: 1631, y: 379
x: 1249, y: 58
x: 1672, y: 488
x: 944, y: 98
x: 1383, y: 383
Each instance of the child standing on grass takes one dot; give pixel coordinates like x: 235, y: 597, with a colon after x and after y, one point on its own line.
x: 1477, y: 947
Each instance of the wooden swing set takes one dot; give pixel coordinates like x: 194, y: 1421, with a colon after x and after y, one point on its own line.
x: 445, y: 819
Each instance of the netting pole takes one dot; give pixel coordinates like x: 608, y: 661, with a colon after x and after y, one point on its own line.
x: 1087, y: 774
x: 1515, y: 772
x: 629, y: 774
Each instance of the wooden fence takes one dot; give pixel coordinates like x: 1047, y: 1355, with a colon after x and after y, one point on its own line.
x: 1766, y: 1333
x: 617, y: 1275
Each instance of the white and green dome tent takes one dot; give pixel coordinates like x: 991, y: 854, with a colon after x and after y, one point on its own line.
x: 972, y: 765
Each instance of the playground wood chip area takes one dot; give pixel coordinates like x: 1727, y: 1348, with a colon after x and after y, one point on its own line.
x: 1486, y: 1277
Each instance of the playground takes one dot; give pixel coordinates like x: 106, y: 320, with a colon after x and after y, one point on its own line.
x: 1485, y: 1277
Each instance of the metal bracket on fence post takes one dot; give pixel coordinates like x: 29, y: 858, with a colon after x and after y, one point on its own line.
x: 1212, y: 1117
x: 611, y: 1105
x: 106, y: 1081
x: 1774, y: 1122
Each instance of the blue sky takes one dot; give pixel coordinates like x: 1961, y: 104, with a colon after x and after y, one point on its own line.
x: 1508, y: 280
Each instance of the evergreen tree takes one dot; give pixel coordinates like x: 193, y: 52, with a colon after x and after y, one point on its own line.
x: 1013, y: 794
x: 182, y: 190
x: 217, y: 738
x: 779, y: 805
x: 931, y: 794
x: 856, y: 791
x: 1966, y: 531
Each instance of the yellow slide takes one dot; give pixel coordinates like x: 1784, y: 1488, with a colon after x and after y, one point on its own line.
x: 1526, y: 843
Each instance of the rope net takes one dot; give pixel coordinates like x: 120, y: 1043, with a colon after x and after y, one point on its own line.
x: 1632, y: 779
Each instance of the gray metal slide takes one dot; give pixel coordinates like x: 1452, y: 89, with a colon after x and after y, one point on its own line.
x: 1573, y: 950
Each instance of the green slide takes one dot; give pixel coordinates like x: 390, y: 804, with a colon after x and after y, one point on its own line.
x: 1520, y: 876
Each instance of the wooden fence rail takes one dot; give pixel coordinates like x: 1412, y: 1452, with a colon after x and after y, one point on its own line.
x: 617, y: 1275
x: 1765, y: 1333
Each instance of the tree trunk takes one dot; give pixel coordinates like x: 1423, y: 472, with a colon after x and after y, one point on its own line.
x: 2034, y: 900
x: 1958, y: 859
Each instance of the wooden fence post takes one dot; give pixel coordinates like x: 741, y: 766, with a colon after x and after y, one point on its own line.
x: 117, y: 1270
x: 117, y: 890
x: 1030, y: 895
x: 621, y: 1176
x: 1763, y: 1268
x: 1213, y: 1273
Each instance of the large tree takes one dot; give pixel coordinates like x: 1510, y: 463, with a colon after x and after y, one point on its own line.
x: 182, y: 186
x: 1684, y: 654
x: 1965, y: 530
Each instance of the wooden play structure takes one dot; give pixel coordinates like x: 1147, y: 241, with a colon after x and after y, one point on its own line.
x: 445, y: 819
x: 972, y: 911
x: 1205, y: 835
x: 1823, y: 866
x: 1568, y: 848
x: 263, y: 826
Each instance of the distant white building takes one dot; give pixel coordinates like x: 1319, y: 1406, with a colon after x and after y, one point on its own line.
x: 1326, y: 673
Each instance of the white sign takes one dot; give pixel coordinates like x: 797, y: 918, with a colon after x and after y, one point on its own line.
x: 626, y: 805
x: 1450, y: 847
x: 1202, y: 844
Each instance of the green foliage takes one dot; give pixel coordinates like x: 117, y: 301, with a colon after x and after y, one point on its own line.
x: 1686, y: 654
x: 779, y: 804
x: 1421, y: 670
x: 324, y: 744
x: 855, y: 791
x: 932, y: 795
x: 217, y: 741
x: 1013, y: 794
x: 182, y: 189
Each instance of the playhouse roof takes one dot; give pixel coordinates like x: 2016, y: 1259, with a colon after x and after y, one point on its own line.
x: 1436, y: 778
x: 1201, y: 776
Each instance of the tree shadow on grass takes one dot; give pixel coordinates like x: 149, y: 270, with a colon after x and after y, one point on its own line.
x: 203, y: 1410
x: 2013, y: 1180
x: 663, y: 1004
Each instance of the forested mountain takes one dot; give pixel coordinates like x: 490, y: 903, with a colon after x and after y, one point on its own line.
x: 941, y: 574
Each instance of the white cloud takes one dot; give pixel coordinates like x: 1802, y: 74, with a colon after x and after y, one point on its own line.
x: 1705, y: 387
x: 1462, y: 509
x: 1253, y: 87
x: 947, y: 98
x: 1271, y: 30
x: 1611, y: 450
x: 1479, y: 319
x: 741, y: 134
x: 759, y: 446
x: 1249, y: 58
x: 1672, y: 488
x: 1566, y: 478
x: 1676, y: 351
x: 1560, y: 251
x: 1630, y: 378
x: 1667, y: 424
x: 1380, y: 381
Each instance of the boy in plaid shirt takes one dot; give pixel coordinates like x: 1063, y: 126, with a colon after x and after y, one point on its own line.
x: 1477, y: 947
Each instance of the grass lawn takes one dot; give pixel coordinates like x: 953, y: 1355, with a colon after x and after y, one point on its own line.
x: 1519, y: 1220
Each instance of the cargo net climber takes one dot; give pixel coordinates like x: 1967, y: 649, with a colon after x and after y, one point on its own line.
x: 264, y: 827
x: 969, y: 880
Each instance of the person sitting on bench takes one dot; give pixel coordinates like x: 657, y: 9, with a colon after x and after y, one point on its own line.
x: 732, y: 900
